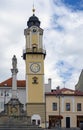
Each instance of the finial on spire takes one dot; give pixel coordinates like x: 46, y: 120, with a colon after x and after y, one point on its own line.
x: 33, y: 8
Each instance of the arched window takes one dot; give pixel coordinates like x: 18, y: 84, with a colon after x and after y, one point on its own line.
x: 34, y: 46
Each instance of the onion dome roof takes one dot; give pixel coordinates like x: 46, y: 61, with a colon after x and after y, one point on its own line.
x: 33, y: 21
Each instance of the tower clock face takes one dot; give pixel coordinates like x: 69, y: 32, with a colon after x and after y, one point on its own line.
x: 34, y: 30
x: 35, y: 67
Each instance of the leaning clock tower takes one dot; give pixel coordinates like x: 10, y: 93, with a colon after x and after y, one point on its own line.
x: 34, y: 55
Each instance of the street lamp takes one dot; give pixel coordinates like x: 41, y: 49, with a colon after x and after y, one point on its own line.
x: 4, y: 99
x: 59, y: 111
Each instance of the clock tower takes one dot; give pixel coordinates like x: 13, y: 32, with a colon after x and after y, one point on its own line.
x: 34, y: 55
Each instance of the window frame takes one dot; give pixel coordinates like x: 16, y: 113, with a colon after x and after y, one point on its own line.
x: 79, y: 108
x: 54, y: 106
x: 68, y: 106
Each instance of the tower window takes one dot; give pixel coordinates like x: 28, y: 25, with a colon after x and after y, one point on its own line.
x: 34, y: 47
x: 35, y: 80
x: 1, y: 93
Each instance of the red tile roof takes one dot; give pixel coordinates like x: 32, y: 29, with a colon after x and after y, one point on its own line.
x: 65, y: 91
x: 21, y: 83
x: 8, y: 83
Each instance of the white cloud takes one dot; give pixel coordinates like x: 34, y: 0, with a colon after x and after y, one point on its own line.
x: 66, y: 44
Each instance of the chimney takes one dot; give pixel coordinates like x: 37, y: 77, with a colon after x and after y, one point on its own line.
x: 49, y: 82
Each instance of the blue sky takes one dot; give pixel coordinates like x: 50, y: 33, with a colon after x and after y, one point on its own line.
x: 62, y: 21
x: 65, y: 70
x: 74, y: 4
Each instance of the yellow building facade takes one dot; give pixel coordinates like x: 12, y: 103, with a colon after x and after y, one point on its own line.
x: 34, y: 56
x: 64, y: 108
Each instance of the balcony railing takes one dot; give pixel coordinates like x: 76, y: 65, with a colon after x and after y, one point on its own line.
x: 33, y: 50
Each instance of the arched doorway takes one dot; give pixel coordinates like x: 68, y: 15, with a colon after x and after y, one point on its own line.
x: 36, y: 119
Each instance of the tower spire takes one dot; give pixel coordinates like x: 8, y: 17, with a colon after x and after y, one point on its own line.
x: 33, y: 10
x: 33, y: 20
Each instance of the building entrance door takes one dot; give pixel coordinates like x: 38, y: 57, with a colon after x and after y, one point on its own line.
x: 79, y: 120
x: 67, y: 122
x: 55, y: 121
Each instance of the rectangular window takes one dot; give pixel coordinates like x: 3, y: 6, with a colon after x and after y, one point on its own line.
x: 78, y: 106
x: 2, y: 94
x: 67, y: 106
x: 54, y: 106
x: 1, y: 105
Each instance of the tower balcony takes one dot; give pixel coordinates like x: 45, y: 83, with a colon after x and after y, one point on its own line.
x: 32, y: 51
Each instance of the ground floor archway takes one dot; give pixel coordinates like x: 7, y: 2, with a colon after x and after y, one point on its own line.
x: 36, y: 119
